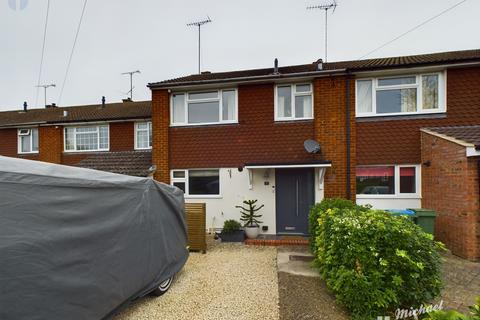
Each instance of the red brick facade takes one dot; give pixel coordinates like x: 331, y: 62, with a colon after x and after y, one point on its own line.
x: 50, y: 144
x: 451, y: 188
x: 257, y: 138
x: 398, y: 141
x: 330, y: 103
x: 161, y: 140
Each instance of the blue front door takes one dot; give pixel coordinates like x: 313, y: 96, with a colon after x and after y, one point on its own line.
x: 294, y: 197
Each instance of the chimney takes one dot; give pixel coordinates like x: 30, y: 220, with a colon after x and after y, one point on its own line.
x: 25, y: 106
x: 103, y: 101
x: 275, y: 66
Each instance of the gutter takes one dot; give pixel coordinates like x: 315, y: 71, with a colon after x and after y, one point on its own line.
x: 246, y: 79
x: 73, y: 122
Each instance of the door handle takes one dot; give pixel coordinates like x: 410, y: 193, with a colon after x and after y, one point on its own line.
x: 296, y: 189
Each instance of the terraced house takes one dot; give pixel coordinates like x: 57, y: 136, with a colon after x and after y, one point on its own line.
x: 113, y: 137
x: 401, y: 132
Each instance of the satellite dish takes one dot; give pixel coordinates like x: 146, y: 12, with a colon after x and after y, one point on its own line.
x: 311, y: 146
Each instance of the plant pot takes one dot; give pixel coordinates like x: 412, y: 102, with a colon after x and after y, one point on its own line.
x: 236, y: 236
x: 252, y: 232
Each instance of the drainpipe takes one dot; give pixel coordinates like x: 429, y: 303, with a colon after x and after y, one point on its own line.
x: 347, y: 125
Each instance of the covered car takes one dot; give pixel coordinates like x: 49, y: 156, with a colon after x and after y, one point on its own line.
x: 79, y: 244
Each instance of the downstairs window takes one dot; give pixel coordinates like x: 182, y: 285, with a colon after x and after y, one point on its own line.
x: 395, y: 180
x: 197, y: 183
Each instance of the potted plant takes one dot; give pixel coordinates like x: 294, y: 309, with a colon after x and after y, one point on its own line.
x: 232, y: 232
x: 250, y: 218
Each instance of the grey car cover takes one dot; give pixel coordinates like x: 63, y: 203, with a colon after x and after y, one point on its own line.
x: 78, y: 243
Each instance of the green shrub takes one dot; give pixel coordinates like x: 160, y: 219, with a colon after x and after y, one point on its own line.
x: 454, y: 315
x: 446, y: 315
x: 375, y: 262
x: 313, y: 227
x: 230, y: 226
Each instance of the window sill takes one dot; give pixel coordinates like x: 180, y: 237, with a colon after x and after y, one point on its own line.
x: 183, y: 125
x: 280, y: 120
x: 27, y: 153
x: 203, y: 197
x: 400, y: 114
x: 84, y: 151
x: 388, y: 196
x: 143, y: 149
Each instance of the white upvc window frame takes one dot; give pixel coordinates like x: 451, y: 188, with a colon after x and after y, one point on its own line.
x: 294, y: 93
x: 75, y: 138
x: 186, y: 179
x: 149, y: 132
x: 19, y: 141
x: 397, y: 194
x: 220, y: 108
x: 442, y: 94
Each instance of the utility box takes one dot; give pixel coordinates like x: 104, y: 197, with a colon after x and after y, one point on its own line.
x: 425, y: 218
x: 196, y: 226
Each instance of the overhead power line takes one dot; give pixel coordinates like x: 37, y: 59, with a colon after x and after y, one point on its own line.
x: 43, y: 52
x: 413, y: 29
x: 73, y: 50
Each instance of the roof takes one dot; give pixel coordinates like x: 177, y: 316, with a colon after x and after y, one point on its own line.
x: 299, y: 164
x: 465, y: 135
x: 131, y: 163
x: 111, y: 111
x: 451, y: 57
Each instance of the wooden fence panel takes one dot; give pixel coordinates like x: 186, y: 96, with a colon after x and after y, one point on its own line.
x: 196, y: 223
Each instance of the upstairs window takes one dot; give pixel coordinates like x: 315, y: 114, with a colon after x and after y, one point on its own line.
x: 87, y: 138
x: 28, y: 140
x: 293, y: 102
x: 400, y: 95
x: 207, y: 107
x: 143, y: 135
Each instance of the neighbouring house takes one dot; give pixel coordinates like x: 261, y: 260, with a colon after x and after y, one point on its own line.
x: 115, y: 137
x: 229, y: 136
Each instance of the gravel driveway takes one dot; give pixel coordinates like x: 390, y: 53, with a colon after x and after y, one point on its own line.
x: 231, y: 281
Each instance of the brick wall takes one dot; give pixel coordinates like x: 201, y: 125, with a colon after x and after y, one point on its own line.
x: 160, y: 127
x: 122, y: 136
x: 50, y: 144
x: 450, y: 186
x: 398, y: 141
x: 257, y: 138
x: 330, y: 132
x: 8, y: 142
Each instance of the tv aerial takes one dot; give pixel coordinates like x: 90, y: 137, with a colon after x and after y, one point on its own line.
x: 333, y: 5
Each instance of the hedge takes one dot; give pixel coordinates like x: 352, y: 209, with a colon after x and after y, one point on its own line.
x: 374, y: 262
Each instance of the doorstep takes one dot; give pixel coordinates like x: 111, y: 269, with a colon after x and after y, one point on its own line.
x: 278, y: 240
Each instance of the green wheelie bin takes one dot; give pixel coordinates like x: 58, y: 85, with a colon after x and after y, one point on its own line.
x: 425, y: 218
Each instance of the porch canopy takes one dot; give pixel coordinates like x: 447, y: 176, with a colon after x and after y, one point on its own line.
x: 322, y: 165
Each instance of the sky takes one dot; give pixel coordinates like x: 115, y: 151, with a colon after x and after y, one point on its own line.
x: 151, y: 36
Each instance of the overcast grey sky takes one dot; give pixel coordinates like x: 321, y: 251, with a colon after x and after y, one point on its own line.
x: 151, y: 35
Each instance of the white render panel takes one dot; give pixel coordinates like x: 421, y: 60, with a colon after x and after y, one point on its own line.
x: 391, y: 203
x: 234, y: 188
